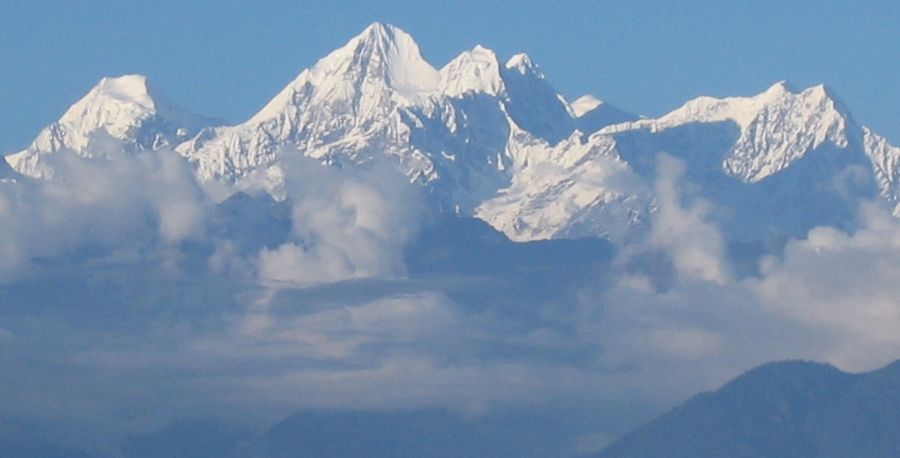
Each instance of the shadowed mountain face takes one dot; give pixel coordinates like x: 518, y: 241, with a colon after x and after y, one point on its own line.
x: 785, y: 409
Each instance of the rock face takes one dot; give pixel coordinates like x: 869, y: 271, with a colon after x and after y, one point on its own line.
x: 788, y: 409
x: 495, y: 140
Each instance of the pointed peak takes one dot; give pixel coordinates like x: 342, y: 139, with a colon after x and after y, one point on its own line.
x: 826, y: 94
x: 131, y: 87
x: 483, y: 51
x: 122, y: 108
x: 822, y: 90
x: 475, y: 71
x: 385, y: 49
x: 377, y: 27
x: 377, y: 40
x: 478, y: 54
x: 783, y: 90
x: 380, y: 31
x: 781, y: 87
x: 129, y: 96
x: 523, y: 64
x: 380, y: 38
x: 382, y: 55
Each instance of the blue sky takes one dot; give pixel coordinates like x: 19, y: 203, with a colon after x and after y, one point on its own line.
x: 226, y: 59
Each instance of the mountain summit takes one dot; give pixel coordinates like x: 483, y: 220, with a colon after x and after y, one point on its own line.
x: 124, y: 108
x: 382, y: 61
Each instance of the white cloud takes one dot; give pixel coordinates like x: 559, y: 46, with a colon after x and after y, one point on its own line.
x: 696, y: 246
x: 844, y: 285
x: 345, y: 224
x: 114, y: 201
x: 383, y: 342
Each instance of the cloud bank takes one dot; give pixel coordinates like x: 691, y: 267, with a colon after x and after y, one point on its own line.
x: 123, y: 276
x: 345, y: 224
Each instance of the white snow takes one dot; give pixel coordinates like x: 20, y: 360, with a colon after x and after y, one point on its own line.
x: 475, y: 71
x: 523, y: 64
x: 886, y: 165
x: 584, y: 104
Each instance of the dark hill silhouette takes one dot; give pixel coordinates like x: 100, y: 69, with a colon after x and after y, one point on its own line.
x: 784, y: 409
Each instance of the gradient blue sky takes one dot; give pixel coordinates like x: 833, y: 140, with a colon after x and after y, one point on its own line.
x: 226, y: 58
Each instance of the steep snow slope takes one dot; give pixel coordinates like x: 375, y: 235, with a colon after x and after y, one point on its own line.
x: 123, y: 108
x: 533, y: 103
x: 886, y: 162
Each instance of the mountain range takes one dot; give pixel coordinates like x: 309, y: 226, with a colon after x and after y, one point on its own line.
x: 495, y: 140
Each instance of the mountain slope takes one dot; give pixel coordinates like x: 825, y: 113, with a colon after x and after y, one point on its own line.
x: 788, y: 409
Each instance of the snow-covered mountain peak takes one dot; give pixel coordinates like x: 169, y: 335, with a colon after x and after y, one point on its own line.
x: 474, y: 71
x: 777, y: 126
x: 533, y: 103
x: 113, y: 102
x: 480, y: 49
x: 124, y: 108
x: 132, y: 88
x: 779, y: 88
x: 383, y: 52
x: 383, y: 63
x: 523, y: 64
x: 745, y: 111
x: 348, y: 106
